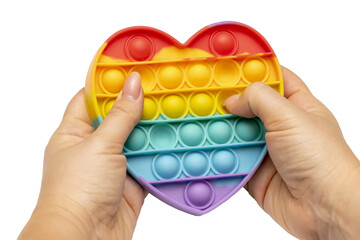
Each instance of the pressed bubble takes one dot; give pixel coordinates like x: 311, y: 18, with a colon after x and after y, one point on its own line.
x: 163, y: 136
x: 226, y: 72
x: 148, y: 79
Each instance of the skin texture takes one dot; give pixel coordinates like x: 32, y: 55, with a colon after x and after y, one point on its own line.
x: 85, y: 192
x: 302, y: 179
x: 305, y: 183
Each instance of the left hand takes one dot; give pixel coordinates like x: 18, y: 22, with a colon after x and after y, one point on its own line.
x: 85, y: 192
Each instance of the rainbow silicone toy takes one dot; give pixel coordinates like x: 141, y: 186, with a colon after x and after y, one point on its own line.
x: 187, y: 150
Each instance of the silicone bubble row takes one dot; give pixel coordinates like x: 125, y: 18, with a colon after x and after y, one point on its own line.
x: 195, y: 74
x: 195, y: 164
x: 193, y: 134
x: 198, y: 194
x: 179, y: 105
x: 140, y: 47
x: 111, y: 80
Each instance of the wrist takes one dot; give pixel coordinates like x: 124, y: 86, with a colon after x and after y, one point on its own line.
x: 52, y: 220
x: 339, y: 217
x: 345, y: 218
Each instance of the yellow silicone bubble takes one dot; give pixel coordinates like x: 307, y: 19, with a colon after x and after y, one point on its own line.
x: 147, y: 74
x: 170, y: 76
x: 221, y: 97
x: 174, y: 106
x: 108, y: 104
x: 112, y: 80
x: 198, y: 74
x: 255, y: 70
x: 202, y: 104
x: 150, y: 110
x: 226, y: 72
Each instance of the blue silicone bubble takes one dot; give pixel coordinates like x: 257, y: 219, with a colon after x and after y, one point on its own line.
x: 224, y: 161
x: 220, y: 131
x: 166, y: 166
x: 249, y: 153
x: 137, y: 140
x: 196, y: 164
x: 191, y: 134
x: 247, y: 129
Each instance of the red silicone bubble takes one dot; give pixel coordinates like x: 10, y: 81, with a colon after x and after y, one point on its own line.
x: 223, y: 43
x: 139, y: 48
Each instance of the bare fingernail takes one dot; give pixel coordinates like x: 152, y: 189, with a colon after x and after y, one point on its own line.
x: 132, y: 87
x: 231, y: 100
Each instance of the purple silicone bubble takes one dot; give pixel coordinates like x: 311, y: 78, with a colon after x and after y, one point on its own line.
x: 199, y: 194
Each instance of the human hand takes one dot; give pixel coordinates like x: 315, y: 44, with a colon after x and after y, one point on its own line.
x: 85, y: 192
x: 307, y: 182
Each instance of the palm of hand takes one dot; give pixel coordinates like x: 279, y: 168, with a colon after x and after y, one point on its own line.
x: 89, y: 175
x: 295, y: 183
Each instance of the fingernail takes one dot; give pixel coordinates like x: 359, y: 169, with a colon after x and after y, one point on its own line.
x: 132, y: 86
x: 231, y: 100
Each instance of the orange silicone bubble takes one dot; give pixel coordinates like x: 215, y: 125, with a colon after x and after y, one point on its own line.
x: 199, y: 74
x: 112, y: 80
x: 148, y: 79
x: 171, y: 76
x: 255, y: 70
x: 226, y: 72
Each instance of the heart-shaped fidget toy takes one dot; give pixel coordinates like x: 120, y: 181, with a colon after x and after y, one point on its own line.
x: 187, y: 150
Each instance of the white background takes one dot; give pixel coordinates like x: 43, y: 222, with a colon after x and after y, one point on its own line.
x: 46, y: 48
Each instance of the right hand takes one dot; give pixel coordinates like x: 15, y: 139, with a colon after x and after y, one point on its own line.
x: 308, y: 182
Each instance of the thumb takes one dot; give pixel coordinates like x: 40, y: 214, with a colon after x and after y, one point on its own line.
x: 124, y: 115
x: 260, y: 100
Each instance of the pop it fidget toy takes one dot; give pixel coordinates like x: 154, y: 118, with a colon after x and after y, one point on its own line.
x: 187, y: 150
